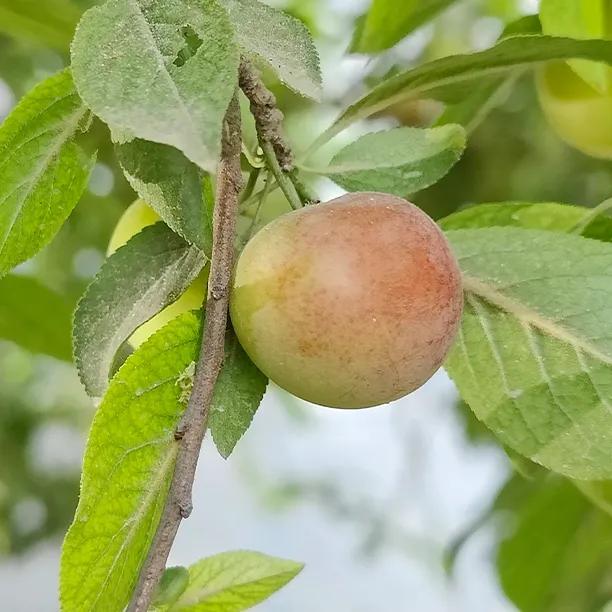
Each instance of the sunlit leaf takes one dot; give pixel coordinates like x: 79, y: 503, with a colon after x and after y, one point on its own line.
x: 234, y: 581
x: 127, y: 468
x: 129, y: 460
x: 579, y: 19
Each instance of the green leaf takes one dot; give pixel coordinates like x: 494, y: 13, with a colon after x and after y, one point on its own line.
x: 599, y: 492
x: 42, y: 172
x: 51, y: 22
x: 150, y: 272
x: 545, y: 215
x: 472, y: 108
x: 280, y: 40
x: 533, y: 358
x: 234, y: 581
x: 35, y: 317
x: 558, y: 557
x: 163, y: 71
x: 129, y: 460
x: 579, y: 19
x: 399, y: 161
x: 172, y: 185
x: 388, y: 21
x: 238, y: 393
x: 440, y: 78
x: 128, y: 464
x: 172, y: 585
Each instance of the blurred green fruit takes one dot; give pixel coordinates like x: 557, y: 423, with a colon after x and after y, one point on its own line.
x: 579, y: 114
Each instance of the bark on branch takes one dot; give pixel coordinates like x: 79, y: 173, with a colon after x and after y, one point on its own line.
x: 269, y: 123
x: 193, y: 425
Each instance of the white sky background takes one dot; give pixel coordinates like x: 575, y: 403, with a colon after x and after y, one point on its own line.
x: 407, y: 462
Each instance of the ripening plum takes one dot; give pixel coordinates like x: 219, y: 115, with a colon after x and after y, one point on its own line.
x: 138, y: 216
x: 349, y: 304
x: 579, y: 114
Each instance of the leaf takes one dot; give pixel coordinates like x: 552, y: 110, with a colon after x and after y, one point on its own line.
x: 579, y: 19
x: 35, y: 317
x: 440, y: 78
x: 128, y: 464
x: 598, y: 492
x: 388, y: 21
x: 238, y: 393
x: 172, y: 585
x: 171, y: 184
x: 474, y: 108
x: 129, y: 460
x: 51, y: 22
x: 399, y: 161
x: 160, y: 71
x: 545, y: 215
x: 234, y: 581
x: 42, y: 172
x: 280, y: 40
x: 540, y: 215
x: 150, y: 272
x: 558, y: 556
x: 533, y: 358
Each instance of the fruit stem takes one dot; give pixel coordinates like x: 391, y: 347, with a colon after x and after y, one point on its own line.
x: 283, y: 179
x: 253, y: 178
x: 260, y: 205
x: 276, y: 150
x: 194, y: 423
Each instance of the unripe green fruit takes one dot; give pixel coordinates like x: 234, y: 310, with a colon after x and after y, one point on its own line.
x: 581, y: 116
x: 349, y: 304
x: 138, y: 216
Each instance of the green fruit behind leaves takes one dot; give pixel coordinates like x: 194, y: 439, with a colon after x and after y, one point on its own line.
x: 580, y: 115
x: 138, y: 216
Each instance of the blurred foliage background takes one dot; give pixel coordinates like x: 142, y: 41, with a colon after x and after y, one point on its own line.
x: 555, y: 543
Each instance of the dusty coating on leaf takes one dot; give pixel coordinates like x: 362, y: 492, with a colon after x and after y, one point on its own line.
x: 351, y: 304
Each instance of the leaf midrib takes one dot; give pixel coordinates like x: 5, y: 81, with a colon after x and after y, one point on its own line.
x: 162, y: 66
x: 134, y: 520
x: 203, y: 594
x: 34, y: 178
x: 181, y: 262
x: 532, y: 317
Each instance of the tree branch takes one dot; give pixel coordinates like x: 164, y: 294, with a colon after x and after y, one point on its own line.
x: 269, y: 123
x: 193, y: 425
